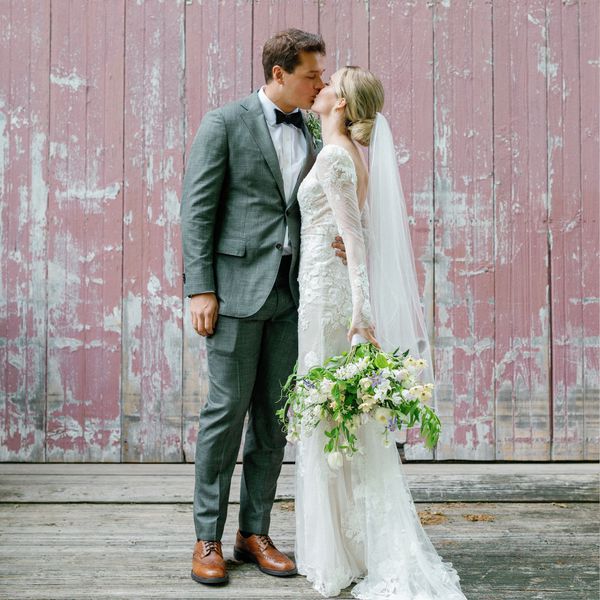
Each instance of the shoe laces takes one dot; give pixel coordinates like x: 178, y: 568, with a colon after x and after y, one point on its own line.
x: 212, y: 546
x: 264, y: 541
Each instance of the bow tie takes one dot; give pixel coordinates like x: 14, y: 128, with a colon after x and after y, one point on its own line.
x: 294, y: 118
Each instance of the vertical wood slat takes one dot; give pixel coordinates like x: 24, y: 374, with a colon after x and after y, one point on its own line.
x: 84, y: 233
x: 24, y: 114
x: 522, y: 309
x: 152, y: 345
x: 218, y: 50
x: 401, y: 55
x: 347, y: 44
x: 564, y: 207
x: 589, y: 81
x: 464, y: 253
x: 271, y: 16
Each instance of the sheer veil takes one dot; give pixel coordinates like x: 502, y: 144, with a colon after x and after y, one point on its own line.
x: 394, y: 291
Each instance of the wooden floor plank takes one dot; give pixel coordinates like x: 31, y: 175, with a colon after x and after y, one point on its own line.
x: 529, y: 551
x: 450, y: 482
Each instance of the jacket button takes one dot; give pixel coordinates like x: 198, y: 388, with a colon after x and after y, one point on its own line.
x: 279, y: 246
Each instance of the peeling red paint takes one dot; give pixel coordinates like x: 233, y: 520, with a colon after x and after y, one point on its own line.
x: 500, y: 180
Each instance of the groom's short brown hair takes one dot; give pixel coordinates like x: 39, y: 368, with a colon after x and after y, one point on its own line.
x: 284, y: 49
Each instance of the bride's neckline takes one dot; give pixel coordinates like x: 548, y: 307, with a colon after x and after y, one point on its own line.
x: 339, y: 146
x: 334, y: 145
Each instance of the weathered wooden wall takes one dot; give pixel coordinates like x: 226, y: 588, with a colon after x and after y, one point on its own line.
x: 494, y: 106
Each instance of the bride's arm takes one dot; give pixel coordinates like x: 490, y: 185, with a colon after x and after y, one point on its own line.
x: 335, y: 171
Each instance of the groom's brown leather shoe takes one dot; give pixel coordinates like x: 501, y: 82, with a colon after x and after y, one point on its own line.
x: 260, y: 549
x: 208, y: 565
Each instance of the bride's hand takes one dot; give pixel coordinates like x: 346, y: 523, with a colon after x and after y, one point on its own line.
x: 365, y: 332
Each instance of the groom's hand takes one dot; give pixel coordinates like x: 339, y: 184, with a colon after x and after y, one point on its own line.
x: 340, y: 248
x: 205, y: 312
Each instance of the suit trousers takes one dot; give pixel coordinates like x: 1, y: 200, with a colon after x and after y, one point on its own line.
x: 249, y: 359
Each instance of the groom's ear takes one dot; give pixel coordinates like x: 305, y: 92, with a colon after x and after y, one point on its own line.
x: 277, y: 74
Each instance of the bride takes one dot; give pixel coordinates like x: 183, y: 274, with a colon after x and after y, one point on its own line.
x: 359, y: 523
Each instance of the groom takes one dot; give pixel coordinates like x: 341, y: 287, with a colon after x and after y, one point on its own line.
x: 241, y: 237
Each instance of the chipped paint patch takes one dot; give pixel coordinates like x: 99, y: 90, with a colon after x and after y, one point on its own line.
x: 72, y: 80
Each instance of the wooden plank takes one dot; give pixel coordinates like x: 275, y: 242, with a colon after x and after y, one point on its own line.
x: 522, y: 333
x: 218, y: 46
x: 404, y: 63
x: 427, y: 469
x: 154, y: 145
x: 347, y: 44
x: 24, y: 65
x: 84, y: 245
x: 565, y: 216
x: 589, y: 69
x: 527, y: 552
x: 464, y: 242
x: 272, y: 16
x: 442, y: 484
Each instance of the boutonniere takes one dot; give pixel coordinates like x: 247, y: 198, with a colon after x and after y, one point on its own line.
x: 314, y: 126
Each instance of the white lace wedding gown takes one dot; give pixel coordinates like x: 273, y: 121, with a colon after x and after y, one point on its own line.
x: 359, y: 523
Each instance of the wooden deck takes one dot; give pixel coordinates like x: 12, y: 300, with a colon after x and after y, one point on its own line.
x: 513, y: 531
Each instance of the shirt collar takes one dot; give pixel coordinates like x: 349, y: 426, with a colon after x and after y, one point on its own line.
x: 269, y: 107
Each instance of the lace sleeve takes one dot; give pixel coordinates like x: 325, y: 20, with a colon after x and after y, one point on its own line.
x: 336, y: 173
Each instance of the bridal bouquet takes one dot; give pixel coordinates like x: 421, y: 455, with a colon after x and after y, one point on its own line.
x: 349, y: 390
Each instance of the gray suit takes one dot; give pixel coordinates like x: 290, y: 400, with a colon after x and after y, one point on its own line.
x: 233, y: 219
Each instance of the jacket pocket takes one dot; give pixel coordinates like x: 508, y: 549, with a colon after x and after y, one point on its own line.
x: 231, y: 246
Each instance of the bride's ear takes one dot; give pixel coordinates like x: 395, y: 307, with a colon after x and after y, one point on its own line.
x: 341, y: 103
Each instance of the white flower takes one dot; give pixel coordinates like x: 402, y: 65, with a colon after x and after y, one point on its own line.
x: 369, y: 402
x: 362, y: 363
x: 384, y: 386
x: 326, y: 386
x: 424, y: 394
x: 412, y: 392
x: 380, y: 393
x: 335, y: 460
x: 382, y: 415
x: 353, y: 370
x: 314, y: 396
x: 346, y: 372
x: 396, y: 398
x: 400, y: 374
x: 365, y: 383
x: 414, y: 366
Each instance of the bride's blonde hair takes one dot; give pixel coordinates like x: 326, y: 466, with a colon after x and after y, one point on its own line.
x: 363, y: 93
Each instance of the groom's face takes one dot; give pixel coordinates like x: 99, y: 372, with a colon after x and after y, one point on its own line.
x: 301, y: 86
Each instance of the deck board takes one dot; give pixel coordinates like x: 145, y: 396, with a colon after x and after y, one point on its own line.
x: 433, y: 482
x: 529, y: 550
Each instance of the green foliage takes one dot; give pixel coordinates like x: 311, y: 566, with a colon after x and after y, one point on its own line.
x: 354, y: 387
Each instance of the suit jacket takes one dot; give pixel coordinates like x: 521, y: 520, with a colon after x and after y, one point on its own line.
x: 234, y: 211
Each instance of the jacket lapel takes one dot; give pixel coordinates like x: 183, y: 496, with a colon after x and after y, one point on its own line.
x: 255, y: 121
x: 308, y: 163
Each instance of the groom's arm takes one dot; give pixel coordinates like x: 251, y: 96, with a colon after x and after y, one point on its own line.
x: 202, y: 185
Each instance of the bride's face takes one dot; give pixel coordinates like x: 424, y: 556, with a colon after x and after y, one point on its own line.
x: 327, y: 100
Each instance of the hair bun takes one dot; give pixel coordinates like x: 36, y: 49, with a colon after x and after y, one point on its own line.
x: 360, y: 131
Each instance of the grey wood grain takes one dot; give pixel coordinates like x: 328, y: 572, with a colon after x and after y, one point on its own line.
x: 540, y: 551
x: 442, y: 482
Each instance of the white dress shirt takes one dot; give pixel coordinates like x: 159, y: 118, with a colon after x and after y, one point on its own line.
x: 290, y: 147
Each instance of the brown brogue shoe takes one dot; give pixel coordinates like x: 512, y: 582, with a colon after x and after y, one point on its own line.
x: 260, y: 549
x: 208, y: 565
